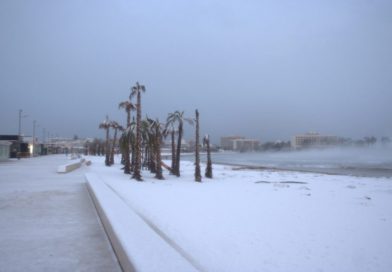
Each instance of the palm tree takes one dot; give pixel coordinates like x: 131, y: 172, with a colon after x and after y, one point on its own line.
x: 128, y: 106
x: 106, y: 125
x: 116, y: 127
x: 158, y: 140
x: 206, y: 142
x: 170, y: 129
x: 124, y: 148
x: 147, y: 142
x: 132, y: 142
x: 177, y: 118
x: 136, y: 91
x: 156, y: 136
x: 197, y: 153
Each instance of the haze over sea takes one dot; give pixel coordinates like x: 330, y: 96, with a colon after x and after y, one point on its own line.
x: 367, y: 161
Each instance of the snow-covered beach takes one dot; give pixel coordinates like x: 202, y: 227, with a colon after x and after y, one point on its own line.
x: 114, y: 113
x: 244, y: 220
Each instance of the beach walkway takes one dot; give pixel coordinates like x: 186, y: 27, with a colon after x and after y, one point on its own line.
x: 48, y: 221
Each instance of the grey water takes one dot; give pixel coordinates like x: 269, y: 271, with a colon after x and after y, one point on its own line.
x: 366, y: 161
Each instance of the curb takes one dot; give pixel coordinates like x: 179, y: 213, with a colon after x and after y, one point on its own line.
x: 137, y: 246
x: 119, y: 250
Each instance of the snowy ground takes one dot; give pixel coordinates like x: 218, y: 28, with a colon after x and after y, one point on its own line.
x: 48, y: 221
x: 265, y: 220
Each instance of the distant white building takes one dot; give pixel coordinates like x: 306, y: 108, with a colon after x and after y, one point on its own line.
x: 245, y: 145
x: 227, y: 142
x: 239, y: 143
x: 63, y: 145
x: 313, y: 140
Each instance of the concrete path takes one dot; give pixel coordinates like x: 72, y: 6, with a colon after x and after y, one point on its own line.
x: 48, y: 221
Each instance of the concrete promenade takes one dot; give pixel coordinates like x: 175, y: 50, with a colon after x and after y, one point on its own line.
x: 48, y: 221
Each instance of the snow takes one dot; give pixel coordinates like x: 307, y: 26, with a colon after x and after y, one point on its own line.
x: 143, y: 248
x: 249, y: 220
x: 48, y: 221
x: 68, y: 167
x: 242, y: 220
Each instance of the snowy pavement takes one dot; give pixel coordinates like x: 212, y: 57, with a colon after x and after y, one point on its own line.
x: 48, y: 221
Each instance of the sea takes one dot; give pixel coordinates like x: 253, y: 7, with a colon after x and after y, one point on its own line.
x: 373, y: 161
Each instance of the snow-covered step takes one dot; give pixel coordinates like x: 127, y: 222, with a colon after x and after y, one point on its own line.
x: 138, y: 247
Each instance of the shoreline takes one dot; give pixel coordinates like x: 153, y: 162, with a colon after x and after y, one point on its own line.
x: 375, y: 172
x: 345, y: 171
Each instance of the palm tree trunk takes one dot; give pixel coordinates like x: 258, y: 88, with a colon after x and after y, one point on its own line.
x: 107, y: 149
x: 123, y: 158
x: 178, y: 150
x: 127, y: 159
x: 173, y: 150
x: 145, y: 162
x: 113, y: 146
x: 138, y: 162
x: 152, y: 160
x: 158, y: 162
x: 197, y: 153
x: 128, y: 118
x: 209, y: 163
x: 133, y: 155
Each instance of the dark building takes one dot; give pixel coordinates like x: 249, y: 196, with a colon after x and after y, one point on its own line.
x: 14, y: 148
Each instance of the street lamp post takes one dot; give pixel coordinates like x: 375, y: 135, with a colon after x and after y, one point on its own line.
x: 34, y: 126
x: 20, y: 131
x: 44, y: 147
x: 20, y: 124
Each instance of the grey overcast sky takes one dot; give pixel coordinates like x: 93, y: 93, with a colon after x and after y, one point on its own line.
x: 262, y: 69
